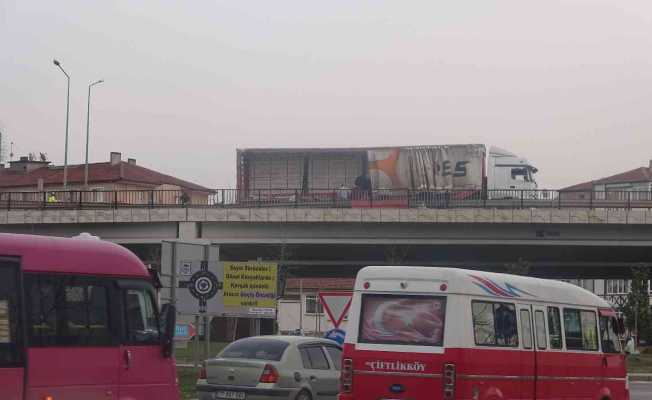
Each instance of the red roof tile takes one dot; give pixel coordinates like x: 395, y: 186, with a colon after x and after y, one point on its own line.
x: 321, y: 283
x: 578, y: 187
x: 97, y: 173
x: 642, y: 174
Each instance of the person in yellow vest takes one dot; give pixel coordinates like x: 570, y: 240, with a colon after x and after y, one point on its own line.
x: 52, y: 198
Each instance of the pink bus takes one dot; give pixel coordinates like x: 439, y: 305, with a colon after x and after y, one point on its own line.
x: 422, y: 333
x: 79, y: 321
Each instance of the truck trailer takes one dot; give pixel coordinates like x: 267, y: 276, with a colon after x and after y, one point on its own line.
x: 466, y: 169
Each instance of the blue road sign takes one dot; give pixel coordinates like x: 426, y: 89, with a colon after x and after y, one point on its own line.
x: 184, y: 331
x: 336, y: 335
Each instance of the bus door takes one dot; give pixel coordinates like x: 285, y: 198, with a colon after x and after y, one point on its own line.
x: 145, y: 373
x: 12, y: 352
x: 527, y: 373
x: 547, y: 361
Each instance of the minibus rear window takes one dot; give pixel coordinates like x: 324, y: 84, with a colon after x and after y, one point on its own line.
x: 401, y: 319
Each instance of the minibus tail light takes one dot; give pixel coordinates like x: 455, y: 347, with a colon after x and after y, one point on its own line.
x: 270, y: 374
x: 346, y: 376
x: 449, y: 381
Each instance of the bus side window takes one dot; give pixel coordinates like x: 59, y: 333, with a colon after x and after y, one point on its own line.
x: 67, y: 311
x: 141, y: 316
x: 554, y: 327
x: 526, y: 329
x: 494, y: 324
x: 580, y: 329
x: 11, y: 346
x: 610, y: 342
x: 540, y: 326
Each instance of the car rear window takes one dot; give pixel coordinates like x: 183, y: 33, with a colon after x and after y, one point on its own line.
x: 401, y: 319
x: 255, y: 349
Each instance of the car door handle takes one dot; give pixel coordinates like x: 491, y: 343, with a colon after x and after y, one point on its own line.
x: 313, y: 378
x: 127, y: 357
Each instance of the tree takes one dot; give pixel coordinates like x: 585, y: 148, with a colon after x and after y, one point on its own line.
x: 396, y: 255
x: 520, y: 267
x: 638, y: 318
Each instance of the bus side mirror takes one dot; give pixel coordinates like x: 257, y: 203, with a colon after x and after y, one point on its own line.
x: 169, y: 319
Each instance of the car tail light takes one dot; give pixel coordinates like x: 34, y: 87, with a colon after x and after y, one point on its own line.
x: 202, y: 373
x: 270, y: 374
x: 346, y: 376
x: 449, y: 381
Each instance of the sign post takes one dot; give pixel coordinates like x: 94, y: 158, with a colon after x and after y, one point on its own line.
x: 336, y: 305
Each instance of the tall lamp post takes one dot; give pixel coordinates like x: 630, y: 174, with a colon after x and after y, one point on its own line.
x: 88, y: 118
x: 65, y: 157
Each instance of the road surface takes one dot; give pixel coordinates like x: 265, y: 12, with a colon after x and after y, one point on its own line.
x: 640, y: 390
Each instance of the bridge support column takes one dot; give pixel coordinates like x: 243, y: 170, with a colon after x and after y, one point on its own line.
x: 188, y: 231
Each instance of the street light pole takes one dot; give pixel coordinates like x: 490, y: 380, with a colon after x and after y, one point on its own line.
x: 65, y: 157
x: 88, y: 118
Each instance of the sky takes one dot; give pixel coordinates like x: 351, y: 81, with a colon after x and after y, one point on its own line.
x: 565, y: 83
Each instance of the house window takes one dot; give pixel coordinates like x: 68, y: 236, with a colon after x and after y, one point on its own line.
x: 588, y: 284
x: 313, y: 306
x: 618, y: 286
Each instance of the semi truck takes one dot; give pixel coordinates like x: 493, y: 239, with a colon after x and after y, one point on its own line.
x: 463, y: 169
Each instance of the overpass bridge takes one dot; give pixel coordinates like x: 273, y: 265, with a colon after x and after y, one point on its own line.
x: 583, y: 235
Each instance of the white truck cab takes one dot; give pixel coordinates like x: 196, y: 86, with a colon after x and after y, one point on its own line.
x: 507, y: 171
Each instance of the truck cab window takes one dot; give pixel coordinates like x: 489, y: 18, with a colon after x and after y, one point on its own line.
x: 141, y: 316
x: 521, y: 174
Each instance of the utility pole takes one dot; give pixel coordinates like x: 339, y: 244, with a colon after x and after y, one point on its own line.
x: 88, y: 118
x: 65, y: 156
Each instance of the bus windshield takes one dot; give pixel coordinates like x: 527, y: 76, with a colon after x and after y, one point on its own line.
x: 402, y: 319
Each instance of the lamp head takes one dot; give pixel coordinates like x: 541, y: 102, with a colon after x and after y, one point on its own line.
x: 56, y: 62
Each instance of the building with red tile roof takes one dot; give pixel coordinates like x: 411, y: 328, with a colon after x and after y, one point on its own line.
x: 638, y: 180
x: 27, y: 175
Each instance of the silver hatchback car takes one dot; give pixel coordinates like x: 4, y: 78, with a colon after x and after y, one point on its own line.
x: 280, y: 367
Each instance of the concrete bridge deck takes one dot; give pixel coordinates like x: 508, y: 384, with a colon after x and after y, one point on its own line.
x: 330, y: 215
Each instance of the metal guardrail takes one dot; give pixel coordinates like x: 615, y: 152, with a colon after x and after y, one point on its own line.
x: 322, y: 198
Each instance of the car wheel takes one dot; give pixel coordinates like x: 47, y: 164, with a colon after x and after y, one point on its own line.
x: 303, y: 395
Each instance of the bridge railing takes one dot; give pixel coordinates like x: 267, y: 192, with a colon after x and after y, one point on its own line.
x: 318, y: 198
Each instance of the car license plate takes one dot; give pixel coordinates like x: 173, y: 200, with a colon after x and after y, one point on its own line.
x: 227, y: 394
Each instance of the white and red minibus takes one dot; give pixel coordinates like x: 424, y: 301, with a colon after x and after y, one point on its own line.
x: 79, y: 321
x: 424, y: 333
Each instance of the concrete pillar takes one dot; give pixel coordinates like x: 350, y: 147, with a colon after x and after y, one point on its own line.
x: 188, y: 231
